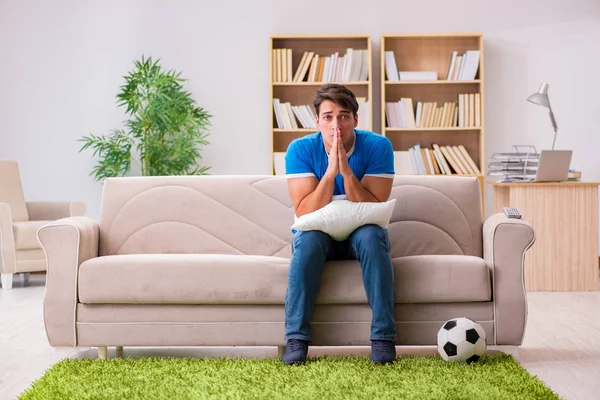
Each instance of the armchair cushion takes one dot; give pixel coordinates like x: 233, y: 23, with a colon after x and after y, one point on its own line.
x: 25, y: 234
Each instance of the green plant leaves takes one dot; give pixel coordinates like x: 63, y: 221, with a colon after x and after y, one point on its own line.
x: 114, y: 151
x: 166, y: 127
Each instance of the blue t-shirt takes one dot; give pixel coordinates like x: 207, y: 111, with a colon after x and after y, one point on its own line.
x: 371, y: 155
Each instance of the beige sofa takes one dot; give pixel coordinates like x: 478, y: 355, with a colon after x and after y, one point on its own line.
x: 195, y: 261
x: 20, y: 250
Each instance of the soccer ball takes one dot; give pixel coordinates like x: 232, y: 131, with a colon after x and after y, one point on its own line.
x: 461, y: 340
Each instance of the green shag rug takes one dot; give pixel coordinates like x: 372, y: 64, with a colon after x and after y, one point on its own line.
x: 494, y: 377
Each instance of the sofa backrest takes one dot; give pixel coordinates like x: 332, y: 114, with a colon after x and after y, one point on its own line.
x: 252, y: 215
x: 436, y: 215
x: 11, y: 191
x: 196, y: 214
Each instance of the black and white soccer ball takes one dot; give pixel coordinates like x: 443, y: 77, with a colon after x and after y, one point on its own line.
x: 461, y: 340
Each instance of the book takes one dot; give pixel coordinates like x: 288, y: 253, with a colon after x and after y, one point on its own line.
x: 279, y: 163
x: 466, y: 166
x: 451, y: 66
x: 391, y: 71
x: 417, y: 75
x: 470, y: 161
x: 444, y: 168
x: 403, y: 164
x: 434, y: 162
x: 449, y: 159
x: 471, y: 65
x: 278, y: 115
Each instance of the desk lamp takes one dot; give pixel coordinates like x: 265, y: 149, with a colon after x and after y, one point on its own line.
x: 541, y: 98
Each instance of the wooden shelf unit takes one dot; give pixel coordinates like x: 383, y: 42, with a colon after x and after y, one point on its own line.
x: 433, y: 52
x: 302, y: 93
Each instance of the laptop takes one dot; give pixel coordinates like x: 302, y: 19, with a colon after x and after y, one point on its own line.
x: 553, y: 166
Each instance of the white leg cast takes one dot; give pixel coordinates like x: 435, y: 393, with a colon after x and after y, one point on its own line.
x: 103, y: 353
x: 119, y: 351
x: 6, y: 281
x: 24, y: 277
x: 512, y: 350
x: 280, y: 351
x: 60, y: 353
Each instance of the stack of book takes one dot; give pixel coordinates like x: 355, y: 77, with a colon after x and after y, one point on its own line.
x: 574, y: 175
x: 514, y: 165
x: 442, y: 159
x: 462, y: 67
x: 466, y: 112
x: 288, y: 116
x: 350, y: 67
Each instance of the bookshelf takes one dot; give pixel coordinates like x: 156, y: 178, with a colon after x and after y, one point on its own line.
x: 283, y: 69
x: 433, y: 53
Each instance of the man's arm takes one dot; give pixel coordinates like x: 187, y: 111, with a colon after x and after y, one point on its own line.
x: 310, y: 194
x: 371, y: 189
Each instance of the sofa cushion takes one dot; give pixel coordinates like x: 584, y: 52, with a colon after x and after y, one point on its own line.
x: 241, y: 279
x: 25, y: 234
x: 442, y: 279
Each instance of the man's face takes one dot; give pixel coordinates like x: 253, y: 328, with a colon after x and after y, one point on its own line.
x: 334, y: 118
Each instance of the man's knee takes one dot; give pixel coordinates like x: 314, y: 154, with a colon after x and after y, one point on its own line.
x: 311, y: 241
x: 370, y: 237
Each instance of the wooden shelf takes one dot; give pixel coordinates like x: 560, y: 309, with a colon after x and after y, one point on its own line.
x: 302, y: 93
x: 317, y: 37
x: 480, y: 176
x: 438, y: 82
x: 433, y: 52
x: 317, y: 83
x: 453, y: 128
x: 301, y: 130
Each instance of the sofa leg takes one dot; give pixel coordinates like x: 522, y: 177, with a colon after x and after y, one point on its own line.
x: 6, y: 281
x: 103, y: 353
x: 280, y: 351
x: 24, y: 277
x: 119, y: 351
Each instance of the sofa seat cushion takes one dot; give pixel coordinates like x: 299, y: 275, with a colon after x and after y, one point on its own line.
x: 243, y: 279
x: 183, y: 279
x: 25, y: 234
x: 442, y: 279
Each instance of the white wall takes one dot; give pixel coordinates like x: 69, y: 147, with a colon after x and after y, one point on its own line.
x: 62, y: 62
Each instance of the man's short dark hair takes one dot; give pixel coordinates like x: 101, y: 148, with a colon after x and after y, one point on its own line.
x: 338, y: 94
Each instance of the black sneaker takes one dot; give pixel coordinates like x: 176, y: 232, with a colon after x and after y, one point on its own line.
x: 382, y: 351
x: 296, y: 351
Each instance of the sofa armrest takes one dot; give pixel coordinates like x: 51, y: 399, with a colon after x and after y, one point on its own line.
x: 505, y: 241
x: 7, y: 241
x: 53, y: 210
x: 67, y: 243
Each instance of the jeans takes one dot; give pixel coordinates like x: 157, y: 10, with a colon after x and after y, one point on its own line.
x: 368, y: 244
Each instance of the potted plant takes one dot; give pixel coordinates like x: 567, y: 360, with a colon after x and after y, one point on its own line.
x: 166, y: 128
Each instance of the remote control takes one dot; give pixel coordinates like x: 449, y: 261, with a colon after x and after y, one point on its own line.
x: 512, y: 212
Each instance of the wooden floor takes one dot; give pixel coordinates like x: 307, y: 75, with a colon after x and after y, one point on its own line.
x: 562, y: 342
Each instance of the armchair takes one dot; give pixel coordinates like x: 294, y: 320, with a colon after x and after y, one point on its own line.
x: 20, y: 250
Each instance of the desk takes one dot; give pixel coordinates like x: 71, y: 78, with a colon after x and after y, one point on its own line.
x: 564, y: 215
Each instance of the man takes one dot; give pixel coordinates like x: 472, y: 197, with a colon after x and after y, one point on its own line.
x: 339, y: 160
